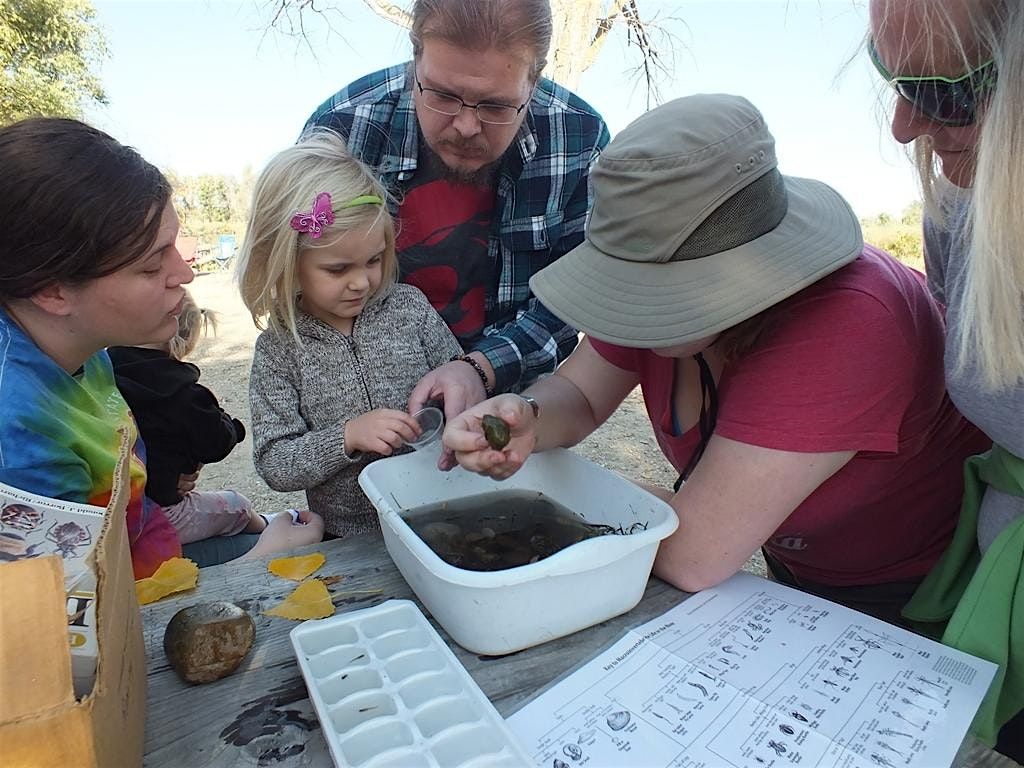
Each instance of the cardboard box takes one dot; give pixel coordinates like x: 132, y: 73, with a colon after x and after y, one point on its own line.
x: 32, y: 525
x: 41, y: 721
x: 81, y: 613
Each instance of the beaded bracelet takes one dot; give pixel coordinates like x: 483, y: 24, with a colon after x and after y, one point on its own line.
x: 488, y: 392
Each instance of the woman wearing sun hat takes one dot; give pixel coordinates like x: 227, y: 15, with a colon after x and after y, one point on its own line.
x: 791, y: 374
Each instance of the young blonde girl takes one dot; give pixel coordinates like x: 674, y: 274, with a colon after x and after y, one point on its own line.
x: 183, y: 428
x: 344, y: 344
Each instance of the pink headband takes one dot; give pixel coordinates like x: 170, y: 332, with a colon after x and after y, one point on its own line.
x: 313, y: 222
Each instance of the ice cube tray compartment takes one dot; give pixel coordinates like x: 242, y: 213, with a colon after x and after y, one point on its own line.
x: 380, y: 738
x: 398, y: 642
x: 410, y: 664
x: 340, y: 686
x: 402, y: 760
x: 437, y: 716
x: 389, y: 693
x: 457, y: 748
x: 334, y: 660
x: 353, y: 712
x: 430, y: 687
x: 323, y: 639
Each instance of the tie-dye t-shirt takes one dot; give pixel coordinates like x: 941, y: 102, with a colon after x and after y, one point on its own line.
x: 59, y: 438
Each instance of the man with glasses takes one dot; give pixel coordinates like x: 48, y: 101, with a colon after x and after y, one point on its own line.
x: 490, y: 163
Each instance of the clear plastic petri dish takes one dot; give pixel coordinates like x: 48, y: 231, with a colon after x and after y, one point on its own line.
x: 431, y: 421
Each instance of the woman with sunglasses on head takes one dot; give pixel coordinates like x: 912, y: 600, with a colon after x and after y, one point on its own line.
x: 957, y: 67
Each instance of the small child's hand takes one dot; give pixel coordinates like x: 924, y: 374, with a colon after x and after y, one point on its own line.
x: 187, y: 483
x: 380, y: 431
x: 285, y: 533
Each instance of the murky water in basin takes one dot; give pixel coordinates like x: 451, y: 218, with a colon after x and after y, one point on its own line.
x: 505, y: 529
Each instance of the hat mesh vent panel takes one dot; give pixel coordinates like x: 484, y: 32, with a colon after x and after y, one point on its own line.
x: 753, y: 211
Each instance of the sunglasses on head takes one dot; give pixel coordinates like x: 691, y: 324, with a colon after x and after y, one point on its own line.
x: 944, y: 100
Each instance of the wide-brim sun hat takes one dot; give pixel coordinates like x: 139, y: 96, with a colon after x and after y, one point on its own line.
x: 694, y: 230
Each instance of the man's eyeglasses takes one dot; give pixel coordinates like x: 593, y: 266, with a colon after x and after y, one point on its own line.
x: 944, y: 100
x: 451, y: 105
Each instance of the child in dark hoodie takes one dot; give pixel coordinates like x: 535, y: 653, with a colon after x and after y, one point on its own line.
x: 183, y: 427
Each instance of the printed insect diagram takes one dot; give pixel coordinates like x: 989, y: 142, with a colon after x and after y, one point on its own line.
x: 753, y: 674
x: 31, y: 526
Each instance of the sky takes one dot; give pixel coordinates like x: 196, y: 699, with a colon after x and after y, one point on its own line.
x: 201, y: 86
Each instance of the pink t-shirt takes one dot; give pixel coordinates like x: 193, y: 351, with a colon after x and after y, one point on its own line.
x: 853, y: 363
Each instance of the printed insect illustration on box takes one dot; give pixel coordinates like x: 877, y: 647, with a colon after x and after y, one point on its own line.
x: 21, y: 517
x: 68, y: 536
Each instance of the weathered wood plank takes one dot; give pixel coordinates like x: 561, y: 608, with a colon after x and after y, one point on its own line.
x: 261, y: 715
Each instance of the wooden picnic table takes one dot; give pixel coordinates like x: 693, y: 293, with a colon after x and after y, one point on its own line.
x: 262, y: 716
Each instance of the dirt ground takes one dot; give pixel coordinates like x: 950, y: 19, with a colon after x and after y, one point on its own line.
x: 625, y: 443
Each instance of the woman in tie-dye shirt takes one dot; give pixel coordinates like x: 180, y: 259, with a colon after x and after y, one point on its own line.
x: 87, y: 261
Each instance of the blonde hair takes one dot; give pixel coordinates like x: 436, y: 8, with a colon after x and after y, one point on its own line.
x: 267, y: 269
x: 992, y: 315
x: 193, y: 324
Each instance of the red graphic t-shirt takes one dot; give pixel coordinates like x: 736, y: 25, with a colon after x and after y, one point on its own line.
x: 442, y: 250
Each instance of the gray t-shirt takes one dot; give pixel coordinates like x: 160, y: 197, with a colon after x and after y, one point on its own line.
x: 999, y: 414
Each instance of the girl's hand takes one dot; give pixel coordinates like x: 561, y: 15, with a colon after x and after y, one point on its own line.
x: 380, y: 431
x: 187, y: 482
x: 283, y: 535
x: 464, y: 436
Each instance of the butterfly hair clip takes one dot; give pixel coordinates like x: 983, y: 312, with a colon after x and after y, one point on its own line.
x: 313, y: 222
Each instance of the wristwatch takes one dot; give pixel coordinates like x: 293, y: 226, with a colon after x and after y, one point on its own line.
x: 533, y: 404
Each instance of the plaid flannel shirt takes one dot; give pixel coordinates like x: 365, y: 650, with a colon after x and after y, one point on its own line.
x: 543, y: 196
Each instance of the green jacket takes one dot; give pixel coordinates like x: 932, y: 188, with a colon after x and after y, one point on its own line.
x: 983, y: 597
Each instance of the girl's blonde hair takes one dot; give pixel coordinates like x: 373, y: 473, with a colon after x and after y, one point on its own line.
x: 992, y: 315
x: 193, y: 323
x: 267, y: 270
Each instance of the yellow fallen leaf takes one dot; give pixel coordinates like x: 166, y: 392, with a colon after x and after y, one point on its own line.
x: 174, y: 575
x: 310, y: 600
x: 296, y: 568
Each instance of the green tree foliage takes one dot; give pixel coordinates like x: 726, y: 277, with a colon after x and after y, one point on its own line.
x: 913, y: 214
x: 49, y: 50
x: 905, y: 246
x: 210, y: 205
x: 215, y: 198
x: 900, y: 236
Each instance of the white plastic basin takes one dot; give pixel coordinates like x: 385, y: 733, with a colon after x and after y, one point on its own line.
x: 499, y: 612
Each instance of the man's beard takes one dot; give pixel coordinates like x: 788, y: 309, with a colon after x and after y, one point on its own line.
x: 483, y: 177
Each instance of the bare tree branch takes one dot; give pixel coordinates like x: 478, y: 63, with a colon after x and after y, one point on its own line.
x: 604, y: 27
x: 657, y: 47
x: 288, y: 17
x: 391, y: 12
x: 583, y: 27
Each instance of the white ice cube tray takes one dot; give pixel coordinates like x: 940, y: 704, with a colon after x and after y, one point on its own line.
x: 390, y: 694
